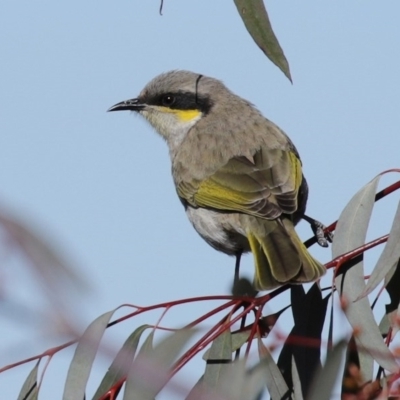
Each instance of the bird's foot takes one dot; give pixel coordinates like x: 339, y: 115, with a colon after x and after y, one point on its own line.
x: 323, y: 237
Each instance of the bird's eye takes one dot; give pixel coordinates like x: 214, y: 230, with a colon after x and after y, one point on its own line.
x: 168, y: 100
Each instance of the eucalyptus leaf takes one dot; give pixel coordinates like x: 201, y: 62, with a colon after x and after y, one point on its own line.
x: 384, y: 325
x: 297, y: 392
x: 150, y: 370
x: 30, y: 390
x: 256, y: 21
x: 275, y: 382
x: 219, y: 359
x: 350, y: 233
x: 324, y: 381
x: 238, y: 339
x: 388, y: 258
x: 121, y: 364
x: 82, y: 361
x: 230, y: 384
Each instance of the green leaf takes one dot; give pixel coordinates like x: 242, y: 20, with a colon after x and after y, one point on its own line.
x: 30, y: 390
x: 325, y: 380
x: 197, y: 392
x: 297, y: 392
x: 236, y: 383
x: 231, y: 384
x: 150, y: 371
x: 256, y: 21
x: 384, y: 325
x: 351, y: 228
x: 388, y: 258
x: 275, y: 382
x: 219, y: 359
x: 85, y: 353
x: 238, y: 339
x: 350, y: 233
x: 121, y: 364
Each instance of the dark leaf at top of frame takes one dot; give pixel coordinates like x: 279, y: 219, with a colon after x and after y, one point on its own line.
x: 256, y: 21
x: 304, y: 341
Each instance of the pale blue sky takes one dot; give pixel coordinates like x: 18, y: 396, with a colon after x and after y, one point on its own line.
x: 99, y: 184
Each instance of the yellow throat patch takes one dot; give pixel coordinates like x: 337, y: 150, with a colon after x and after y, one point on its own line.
x: 183, y: 115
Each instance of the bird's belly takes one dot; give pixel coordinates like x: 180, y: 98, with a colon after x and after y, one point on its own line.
x: 222, y: 231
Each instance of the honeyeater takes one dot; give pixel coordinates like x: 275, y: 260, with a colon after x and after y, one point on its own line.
x: 237, y: 174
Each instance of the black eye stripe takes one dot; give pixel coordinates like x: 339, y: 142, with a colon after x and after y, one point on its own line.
x: 182, y: 101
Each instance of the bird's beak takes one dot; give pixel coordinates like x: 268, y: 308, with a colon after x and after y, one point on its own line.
x: 132, y: 105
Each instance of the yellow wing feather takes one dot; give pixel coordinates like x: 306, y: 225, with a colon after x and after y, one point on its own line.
x: 265, y: 189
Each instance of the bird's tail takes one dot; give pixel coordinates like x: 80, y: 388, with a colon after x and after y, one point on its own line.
x: 279, y: 254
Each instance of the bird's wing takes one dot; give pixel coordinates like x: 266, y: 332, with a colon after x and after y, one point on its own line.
x: 264, y: 185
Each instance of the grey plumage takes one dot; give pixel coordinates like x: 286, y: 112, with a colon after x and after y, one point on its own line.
x: 238, y: 175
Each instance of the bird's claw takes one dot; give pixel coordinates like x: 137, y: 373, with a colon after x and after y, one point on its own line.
x: 323, y: 237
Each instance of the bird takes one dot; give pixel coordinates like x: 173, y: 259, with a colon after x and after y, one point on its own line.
x: 237, y: 174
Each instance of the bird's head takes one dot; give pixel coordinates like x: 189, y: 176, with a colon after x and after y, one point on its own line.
x: 174, y: 102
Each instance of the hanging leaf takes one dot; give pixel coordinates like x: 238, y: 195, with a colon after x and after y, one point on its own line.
x: 85, y: 352
x: 350, y: 233
x: 121, y: 364
x: 30, y: 390
x: 256, y: 21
